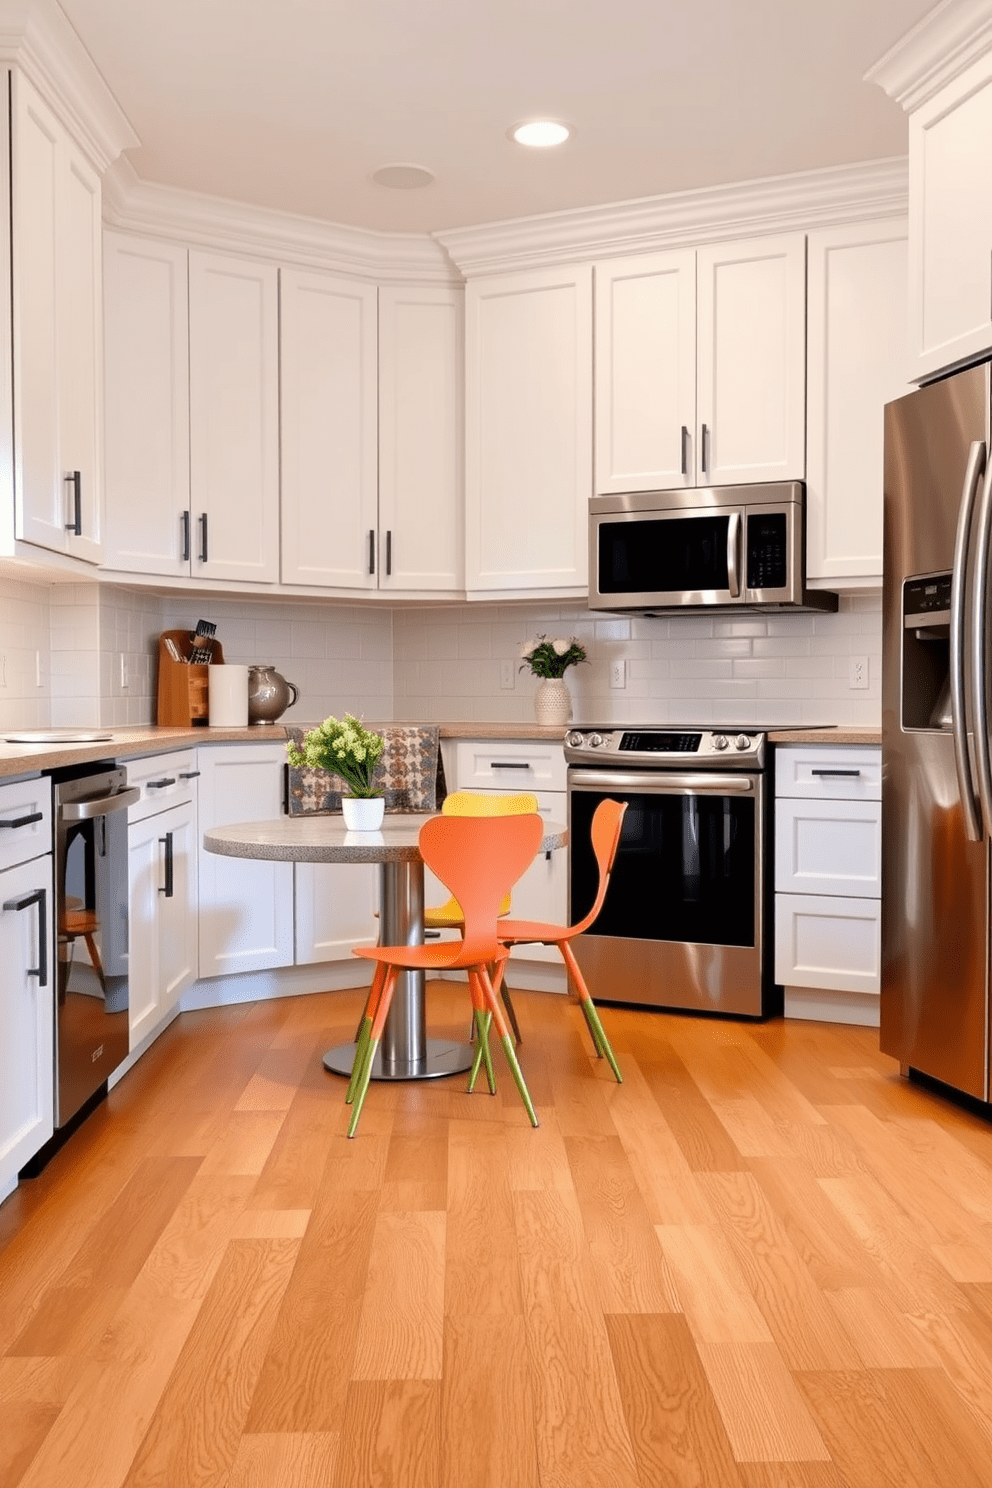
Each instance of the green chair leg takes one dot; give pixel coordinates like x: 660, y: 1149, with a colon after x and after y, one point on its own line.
x: 512, y: 1061
x: 481, y: 1024
x: 361, y: 1045
x: 599, y: 1038
x: 362, y: 1084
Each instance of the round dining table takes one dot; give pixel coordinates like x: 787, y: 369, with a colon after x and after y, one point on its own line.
x: 405, y: 1052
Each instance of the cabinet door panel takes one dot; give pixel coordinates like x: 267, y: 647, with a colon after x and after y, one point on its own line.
x: 246, y: 908
x: 420, y: 439
x: 329, y: 466
x: 41, y: 510
x: 828, y: 941
x: 27, y: 1023
x: 528, y: 422
x: 336, y: 905
x: 828, y: 847
x: 177, y: 912
x: 80, y: 333
x: 234, y: 417
x: 858, y: 361
x: 146, y: 361
x: 645, y: 353
x: 751, y: 368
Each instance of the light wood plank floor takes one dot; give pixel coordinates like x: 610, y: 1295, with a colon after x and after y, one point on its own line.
x: 762, y: 1262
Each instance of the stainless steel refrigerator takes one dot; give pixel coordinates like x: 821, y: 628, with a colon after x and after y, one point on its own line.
x: 937, y: 777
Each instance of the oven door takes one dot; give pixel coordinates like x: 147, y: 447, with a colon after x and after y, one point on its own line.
x: 682, y: 924
x: 665, y: 558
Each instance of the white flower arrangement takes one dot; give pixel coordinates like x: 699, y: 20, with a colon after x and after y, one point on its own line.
x: 551, y: 658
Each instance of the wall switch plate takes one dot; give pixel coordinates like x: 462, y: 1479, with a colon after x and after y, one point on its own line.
x: 618, y: 673
x: 507, y: 676
x: 857, y: 671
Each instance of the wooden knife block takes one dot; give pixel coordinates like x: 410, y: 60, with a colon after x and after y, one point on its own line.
x: 182, y: 688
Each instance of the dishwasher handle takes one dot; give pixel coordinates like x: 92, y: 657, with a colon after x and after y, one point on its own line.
x: 99, y: 806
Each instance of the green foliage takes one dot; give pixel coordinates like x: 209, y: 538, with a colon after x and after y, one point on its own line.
x: 345, y: 748
x: 551, y: 658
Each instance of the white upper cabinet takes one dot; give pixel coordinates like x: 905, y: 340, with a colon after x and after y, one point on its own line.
x: 751, y: 361
x: 146, y: 394
x: 329, y: 431
x: 234, y: 417
x: 645, y: 340
x: 421, y: 459
x: 857, y: 362
x: 940, y: 71
x: 700, y: 366
x: 57, y: 333
x: 528, y: 431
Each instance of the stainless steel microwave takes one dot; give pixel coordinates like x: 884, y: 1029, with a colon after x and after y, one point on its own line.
x: 718, y: 546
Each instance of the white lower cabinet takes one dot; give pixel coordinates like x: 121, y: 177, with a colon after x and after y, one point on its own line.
x: 828, y: 839
x: 246, y: 907
x: 27, y: 991
x: 336, y: 905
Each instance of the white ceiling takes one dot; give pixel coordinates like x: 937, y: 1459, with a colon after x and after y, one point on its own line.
x: 292, y: 104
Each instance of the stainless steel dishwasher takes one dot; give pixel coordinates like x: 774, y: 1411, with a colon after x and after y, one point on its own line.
x: 91, y: 931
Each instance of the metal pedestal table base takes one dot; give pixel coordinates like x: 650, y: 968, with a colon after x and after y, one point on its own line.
x: 405, y: 1053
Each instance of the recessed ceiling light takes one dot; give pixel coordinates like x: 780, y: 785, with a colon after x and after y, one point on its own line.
x: 540, y: 133
x: 403, y: 177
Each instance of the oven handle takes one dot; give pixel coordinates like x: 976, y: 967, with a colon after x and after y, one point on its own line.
x: 101, y: 806
x: 663, y: 782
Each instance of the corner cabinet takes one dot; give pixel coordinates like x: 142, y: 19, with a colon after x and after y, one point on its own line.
x: 57, y: 332
x: 528, y: 432
x: 857, y: 361
x: 700, y: 366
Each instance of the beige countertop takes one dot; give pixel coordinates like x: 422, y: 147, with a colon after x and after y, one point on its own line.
x: 124, y: 743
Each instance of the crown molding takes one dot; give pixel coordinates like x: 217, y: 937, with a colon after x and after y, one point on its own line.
x: 936, y: 50
x: 36, y: 37
x: 189, y: 218
x: 821, y: 198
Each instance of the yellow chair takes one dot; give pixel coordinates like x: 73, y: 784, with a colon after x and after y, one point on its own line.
x: 449, y: 916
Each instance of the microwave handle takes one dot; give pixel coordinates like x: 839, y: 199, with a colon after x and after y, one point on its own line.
x: 733, y: 555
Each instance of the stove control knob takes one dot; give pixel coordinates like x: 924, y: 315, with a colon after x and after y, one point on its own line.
x: 742, y: 742
x: 721, y: 741
x: 573, y: 739
x: 596, y: 741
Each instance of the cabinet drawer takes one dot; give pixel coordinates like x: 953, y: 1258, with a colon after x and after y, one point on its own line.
x: 828, y: 847
x: 25, y: 820
x: 514, y: 765
x: 164, y: 780
x: 828, y: 941
x: 829, y: 772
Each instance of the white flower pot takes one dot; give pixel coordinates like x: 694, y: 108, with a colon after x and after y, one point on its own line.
x: 363, y: 813
x: 553, y: 701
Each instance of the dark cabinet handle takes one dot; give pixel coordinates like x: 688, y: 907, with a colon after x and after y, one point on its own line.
x: 508, y: 765
x: 835, y: 772
x: 23, y: 821
x: 203, y: 537
x: 684, y: 462
x: 169, y: 888
x: 371, y: 550
x: 389, y: 552
x: 188, y: 774
x: 704, y: 435
x: 24, y: 902
x: 158, y: 784
x: 76, y: 525
x: 184, y: 528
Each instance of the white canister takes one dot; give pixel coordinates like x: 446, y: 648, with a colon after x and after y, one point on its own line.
x: 227, y: 695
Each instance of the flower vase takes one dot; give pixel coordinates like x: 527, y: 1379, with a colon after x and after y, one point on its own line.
x: 553, y: 701
x: 363, y: 813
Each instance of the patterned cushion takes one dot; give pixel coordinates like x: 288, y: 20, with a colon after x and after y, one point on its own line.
x: 409, y: 773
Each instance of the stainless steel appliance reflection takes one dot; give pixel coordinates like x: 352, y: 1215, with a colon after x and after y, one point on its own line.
x: 91, y: 927
x: 936, y: 779
x: 684, y: 922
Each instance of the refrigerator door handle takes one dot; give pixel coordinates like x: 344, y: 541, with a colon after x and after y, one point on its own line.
x: 979, y: 645
x: 960, y: 588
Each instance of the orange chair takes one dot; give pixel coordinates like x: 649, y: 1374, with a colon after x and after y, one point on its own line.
x: 448, y: 916
x: 478, y: 859
x: 607, y: 822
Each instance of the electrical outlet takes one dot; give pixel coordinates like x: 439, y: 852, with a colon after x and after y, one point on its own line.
x: 507, y: 676
x: 618, y: 673
x: 857, y: 671
x: 125, y: 680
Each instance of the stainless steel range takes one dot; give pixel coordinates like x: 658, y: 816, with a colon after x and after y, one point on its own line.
x: 685, y: 923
